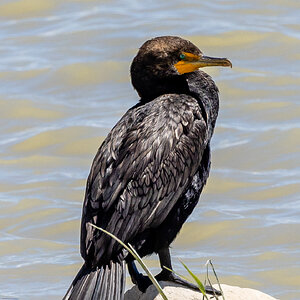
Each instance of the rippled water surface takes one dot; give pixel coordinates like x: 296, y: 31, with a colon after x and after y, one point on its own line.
x: 64, y: 72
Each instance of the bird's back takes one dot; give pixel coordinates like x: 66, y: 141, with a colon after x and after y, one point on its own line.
x: 144, y: 166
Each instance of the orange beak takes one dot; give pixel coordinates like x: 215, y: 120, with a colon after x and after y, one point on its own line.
x: 192, y: 62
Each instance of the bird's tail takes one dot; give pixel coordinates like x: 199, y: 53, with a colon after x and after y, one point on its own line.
x: 105, y: 283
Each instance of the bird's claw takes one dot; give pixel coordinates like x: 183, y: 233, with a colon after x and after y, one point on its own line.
x: 143, y: 282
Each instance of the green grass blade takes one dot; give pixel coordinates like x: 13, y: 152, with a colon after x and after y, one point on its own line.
x: 197, y: 280
x: 133, y: 252
x: 183, y: 277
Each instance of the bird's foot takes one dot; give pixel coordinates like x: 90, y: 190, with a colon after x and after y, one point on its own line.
x: 165, y: 275
x: 142, y: 282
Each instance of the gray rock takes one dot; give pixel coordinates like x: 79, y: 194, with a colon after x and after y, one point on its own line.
x: 178, y: 292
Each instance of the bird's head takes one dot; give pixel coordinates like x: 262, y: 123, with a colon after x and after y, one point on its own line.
x: 162, y: 60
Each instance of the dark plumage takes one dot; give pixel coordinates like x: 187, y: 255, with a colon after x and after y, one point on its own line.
x: 148, y: 174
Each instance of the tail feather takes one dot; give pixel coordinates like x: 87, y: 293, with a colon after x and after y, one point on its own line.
x: 99, y: 283
x: 105, y: 283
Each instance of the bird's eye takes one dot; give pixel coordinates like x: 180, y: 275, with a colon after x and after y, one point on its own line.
x: 182, y: 56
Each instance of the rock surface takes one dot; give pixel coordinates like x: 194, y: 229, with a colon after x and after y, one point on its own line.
x: 177, y: 292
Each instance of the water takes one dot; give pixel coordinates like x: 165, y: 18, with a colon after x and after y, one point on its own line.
x: 64, y: 72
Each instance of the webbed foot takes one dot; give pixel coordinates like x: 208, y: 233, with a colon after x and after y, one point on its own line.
x: 166, y: 275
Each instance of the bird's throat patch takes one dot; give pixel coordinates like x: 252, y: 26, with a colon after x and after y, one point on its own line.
x: 185, y: 67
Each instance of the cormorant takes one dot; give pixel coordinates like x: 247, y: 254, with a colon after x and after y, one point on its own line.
x: 147, y: 175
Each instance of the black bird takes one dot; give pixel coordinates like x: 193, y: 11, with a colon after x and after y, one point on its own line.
x: 148, y: 174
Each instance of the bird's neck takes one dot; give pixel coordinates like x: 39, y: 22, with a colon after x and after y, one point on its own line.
x: 158, y: 87
x: 203, y: 88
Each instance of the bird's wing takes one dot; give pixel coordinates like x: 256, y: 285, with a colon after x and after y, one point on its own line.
x: 140, y: 171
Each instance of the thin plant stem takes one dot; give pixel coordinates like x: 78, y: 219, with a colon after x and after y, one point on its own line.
x: 212, y: 266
